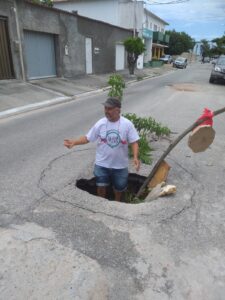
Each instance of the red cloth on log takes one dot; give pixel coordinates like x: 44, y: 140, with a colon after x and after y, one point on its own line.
x: 207, y: 114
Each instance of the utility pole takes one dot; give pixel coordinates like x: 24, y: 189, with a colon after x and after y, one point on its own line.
x: 15, y: 10
x: 134, y: 19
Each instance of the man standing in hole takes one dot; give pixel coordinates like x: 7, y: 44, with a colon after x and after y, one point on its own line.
x: 113, y: 134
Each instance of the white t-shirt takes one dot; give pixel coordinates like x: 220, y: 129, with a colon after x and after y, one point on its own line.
x: 112, y: 142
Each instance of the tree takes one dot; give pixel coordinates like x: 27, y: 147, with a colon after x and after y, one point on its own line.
x: 44, y: 2
x: 205, y: 49
x: 220, y: 46
x: 179, y: 42
x: 134, y: 47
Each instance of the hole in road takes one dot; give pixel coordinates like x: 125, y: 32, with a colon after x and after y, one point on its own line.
x: 185, y: 87
x: 135, y: 181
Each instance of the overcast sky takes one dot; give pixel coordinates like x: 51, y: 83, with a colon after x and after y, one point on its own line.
x: 201, y: 19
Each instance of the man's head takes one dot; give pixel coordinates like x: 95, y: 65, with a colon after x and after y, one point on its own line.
x: 112, y: 109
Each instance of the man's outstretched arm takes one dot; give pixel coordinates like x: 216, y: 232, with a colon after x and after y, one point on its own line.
x: 69, y: 143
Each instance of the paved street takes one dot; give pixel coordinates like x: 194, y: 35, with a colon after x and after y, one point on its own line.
x: 18, y: 96
x: 58, y: 242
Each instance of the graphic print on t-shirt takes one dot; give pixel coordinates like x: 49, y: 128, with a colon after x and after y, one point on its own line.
x: 112, y: 138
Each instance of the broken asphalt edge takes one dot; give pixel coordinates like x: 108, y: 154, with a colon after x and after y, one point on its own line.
x: 59, y: 100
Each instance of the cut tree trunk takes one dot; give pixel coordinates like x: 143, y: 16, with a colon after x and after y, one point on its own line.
x: 171, y: 146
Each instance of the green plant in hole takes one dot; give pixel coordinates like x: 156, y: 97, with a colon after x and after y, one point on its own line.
x: 131, y: 198
x: 117, y: 84
x: 145, y: 150
x: 145, y: 127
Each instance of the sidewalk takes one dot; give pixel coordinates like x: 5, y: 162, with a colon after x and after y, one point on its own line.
x: 19, y: 96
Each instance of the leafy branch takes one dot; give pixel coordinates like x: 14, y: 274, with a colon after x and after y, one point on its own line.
x: 117, y: 84
x: 145, y: 127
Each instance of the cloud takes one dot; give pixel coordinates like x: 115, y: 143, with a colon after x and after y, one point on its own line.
x: 194, y: 9
x: 199, y: 18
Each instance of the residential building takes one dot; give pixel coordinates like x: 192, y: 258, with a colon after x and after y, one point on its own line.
x: 128, y: 14
x: 62, y: 44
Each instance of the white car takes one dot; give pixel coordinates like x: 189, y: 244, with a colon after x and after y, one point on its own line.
x: 166, y: 58
x: 180, y: 62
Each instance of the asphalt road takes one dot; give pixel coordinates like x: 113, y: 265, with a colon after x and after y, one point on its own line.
x: 67, y: 244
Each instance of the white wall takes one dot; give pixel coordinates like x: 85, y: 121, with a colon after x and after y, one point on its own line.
x: 129, y: 18
x: 115, y: 12
x: 160, y: 26
x: 148, y: 52
x: 106, y: 11
x: 150, y: 21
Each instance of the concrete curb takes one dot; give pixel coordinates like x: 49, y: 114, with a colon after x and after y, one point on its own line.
x: 18, y: 110
x: 27, y: 108
x: 59, y: 100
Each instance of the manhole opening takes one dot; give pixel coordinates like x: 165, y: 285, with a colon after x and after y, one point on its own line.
x: 185, y: 87
x: 135, y: 181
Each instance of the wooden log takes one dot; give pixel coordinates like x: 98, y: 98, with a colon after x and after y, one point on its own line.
x: 171, y: 146
x: 201, y: 138
x: 160, y: 175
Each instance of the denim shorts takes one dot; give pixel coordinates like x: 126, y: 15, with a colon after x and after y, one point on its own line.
x: 117, y: 177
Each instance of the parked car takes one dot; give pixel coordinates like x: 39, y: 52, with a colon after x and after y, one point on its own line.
x: 214, y: 59
x: 180, y: 62
x: 218, y: 71
x: 168, y: 59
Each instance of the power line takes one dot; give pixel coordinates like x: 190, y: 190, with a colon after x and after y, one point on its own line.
x: 165, y: 3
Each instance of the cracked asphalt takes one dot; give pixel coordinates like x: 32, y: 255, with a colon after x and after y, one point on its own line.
x: 58, y: 242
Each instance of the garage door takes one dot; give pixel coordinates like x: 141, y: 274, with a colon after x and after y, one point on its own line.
x: 39, y: 55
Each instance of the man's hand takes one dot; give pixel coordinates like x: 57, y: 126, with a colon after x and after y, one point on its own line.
x: 80, y: 141
x: 69, y: 143
x: 136, y: 163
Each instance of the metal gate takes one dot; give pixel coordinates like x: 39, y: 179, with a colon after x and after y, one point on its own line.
x: 6, y: 66
x: 40, y: 54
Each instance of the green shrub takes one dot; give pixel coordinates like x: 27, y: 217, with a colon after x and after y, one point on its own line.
x: 145, y: 127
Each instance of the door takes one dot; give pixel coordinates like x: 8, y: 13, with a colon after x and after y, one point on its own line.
x: 39, y: 54
x: 6, y: 66
x: 120, y: 57
x: 88, y: 47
